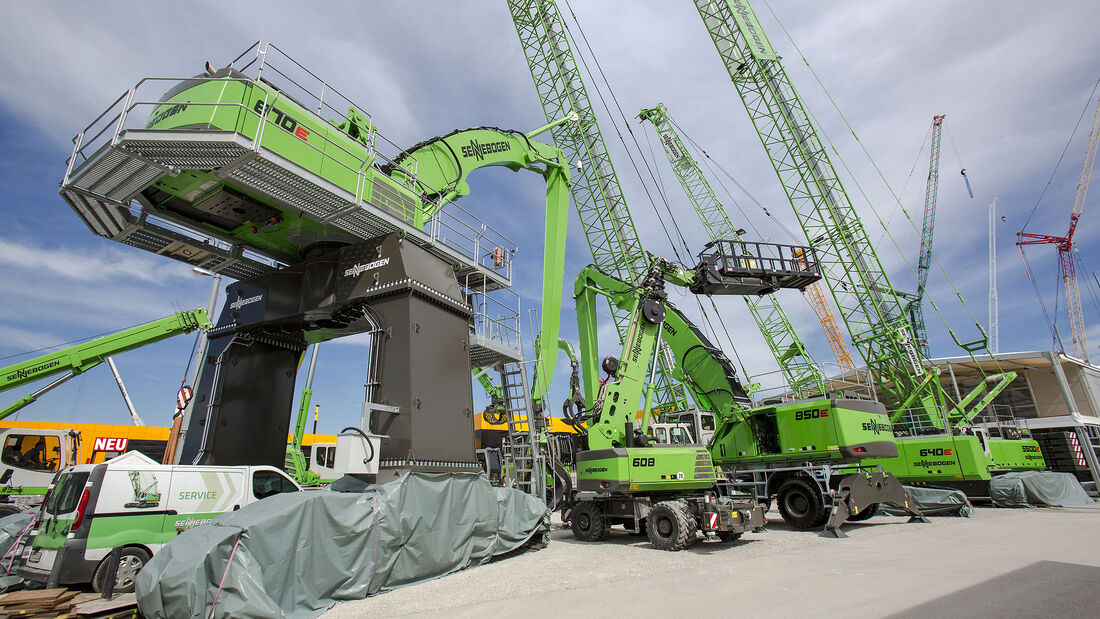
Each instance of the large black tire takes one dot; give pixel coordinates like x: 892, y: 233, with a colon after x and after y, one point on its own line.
x: 670, y: 526
x: 800, y: 504
x: 588, y: 522
x: 864, y: 513
x: 130, y: 563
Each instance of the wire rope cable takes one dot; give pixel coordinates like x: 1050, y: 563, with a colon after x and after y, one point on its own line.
x: 882, y: 177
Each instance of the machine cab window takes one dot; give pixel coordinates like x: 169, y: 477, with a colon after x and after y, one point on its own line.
x: 34, y: 452
x: 325, y: 456
x: 679, y: 435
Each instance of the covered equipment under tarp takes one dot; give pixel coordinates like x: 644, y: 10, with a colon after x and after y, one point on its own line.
x: 14, y: 531
x: 1027, y: 488
x: 933, y: 502
x: 295, y: 554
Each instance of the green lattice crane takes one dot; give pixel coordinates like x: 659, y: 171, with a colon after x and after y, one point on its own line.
x: 597, y: 194
x: 799, y: 370
x: 873, y: 311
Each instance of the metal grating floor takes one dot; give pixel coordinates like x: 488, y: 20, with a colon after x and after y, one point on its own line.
x: 101, y: 189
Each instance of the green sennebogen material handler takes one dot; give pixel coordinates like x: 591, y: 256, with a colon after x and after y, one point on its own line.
x: 672, y: 491
x: 807, y: 452
x: 265, y: 173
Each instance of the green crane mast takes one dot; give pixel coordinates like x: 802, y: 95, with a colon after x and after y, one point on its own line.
x: 799, y: 370
x: 597, y: 194
x: 872, y: 309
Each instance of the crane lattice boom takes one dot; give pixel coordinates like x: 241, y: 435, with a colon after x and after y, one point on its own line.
x: 871, y: 309
x: 597, y: 194
x: 1066, y: 245
x: 924, y: 261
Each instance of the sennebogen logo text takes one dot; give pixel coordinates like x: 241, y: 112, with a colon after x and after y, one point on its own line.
x: 358, y: 269
x: 476, y: 149
x: 239, y: 303
x: 25, y: 372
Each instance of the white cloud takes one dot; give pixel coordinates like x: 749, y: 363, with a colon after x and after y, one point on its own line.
x: 108, y: 265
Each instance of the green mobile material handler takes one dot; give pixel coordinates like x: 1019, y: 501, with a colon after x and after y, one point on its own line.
x: 265, y: 173
x: 623, y: 477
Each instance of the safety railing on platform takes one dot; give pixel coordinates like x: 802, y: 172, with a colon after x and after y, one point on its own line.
x: 916, y: 422
x: 748, y: 257
x: 495, y: 314
x: 843, y: 383
x: 463, y: 231
x: 360, y: 158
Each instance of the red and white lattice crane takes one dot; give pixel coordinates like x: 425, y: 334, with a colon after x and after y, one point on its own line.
x: 1065, y: 245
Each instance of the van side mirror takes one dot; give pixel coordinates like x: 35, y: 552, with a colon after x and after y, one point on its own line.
x: 6, y: 477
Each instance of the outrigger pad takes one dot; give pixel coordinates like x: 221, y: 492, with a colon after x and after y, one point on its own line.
x: 295, y: 554
x: 860, y: 491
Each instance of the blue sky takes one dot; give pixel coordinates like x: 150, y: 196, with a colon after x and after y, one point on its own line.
x: 1012, y: 82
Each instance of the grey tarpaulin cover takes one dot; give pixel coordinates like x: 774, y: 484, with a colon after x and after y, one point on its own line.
x: 1028, y: 488
x: 295, y: 554
x: 11, y: 527
x: 933, y: 502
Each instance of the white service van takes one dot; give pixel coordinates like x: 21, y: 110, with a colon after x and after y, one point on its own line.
x: 136, y: 504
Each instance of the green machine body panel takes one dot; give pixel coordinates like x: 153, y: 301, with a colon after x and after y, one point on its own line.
x: 820, y: 430
x: 268, y: 118
x: 1017, y: 454
x: 645, y: 469
x: 237, y: 103
x: 960, y: 458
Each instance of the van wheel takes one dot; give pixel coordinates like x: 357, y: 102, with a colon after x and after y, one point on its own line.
x: 130, y: 563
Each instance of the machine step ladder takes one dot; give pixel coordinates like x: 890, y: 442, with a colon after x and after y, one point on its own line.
x: 525, y: 458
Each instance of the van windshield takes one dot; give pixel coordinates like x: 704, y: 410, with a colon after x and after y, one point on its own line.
x: 66, y: 493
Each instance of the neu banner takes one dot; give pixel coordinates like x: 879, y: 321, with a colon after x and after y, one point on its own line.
x: 103, y: 443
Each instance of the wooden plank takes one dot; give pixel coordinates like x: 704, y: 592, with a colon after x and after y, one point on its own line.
x: 48, y: 596
x: 99, y: 605
x: 85, y: 597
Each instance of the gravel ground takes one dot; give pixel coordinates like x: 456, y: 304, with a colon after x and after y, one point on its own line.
x: 1031, y: 562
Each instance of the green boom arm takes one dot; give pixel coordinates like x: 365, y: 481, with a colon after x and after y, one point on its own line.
x: 83, y: 357
x: 704, y: 369
x: 441, y: 165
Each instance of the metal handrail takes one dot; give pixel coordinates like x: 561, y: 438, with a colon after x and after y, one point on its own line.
x: 452, y: 225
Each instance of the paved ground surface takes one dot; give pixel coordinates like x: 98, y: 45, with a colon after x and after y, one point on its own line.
x: 1008, y: 563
